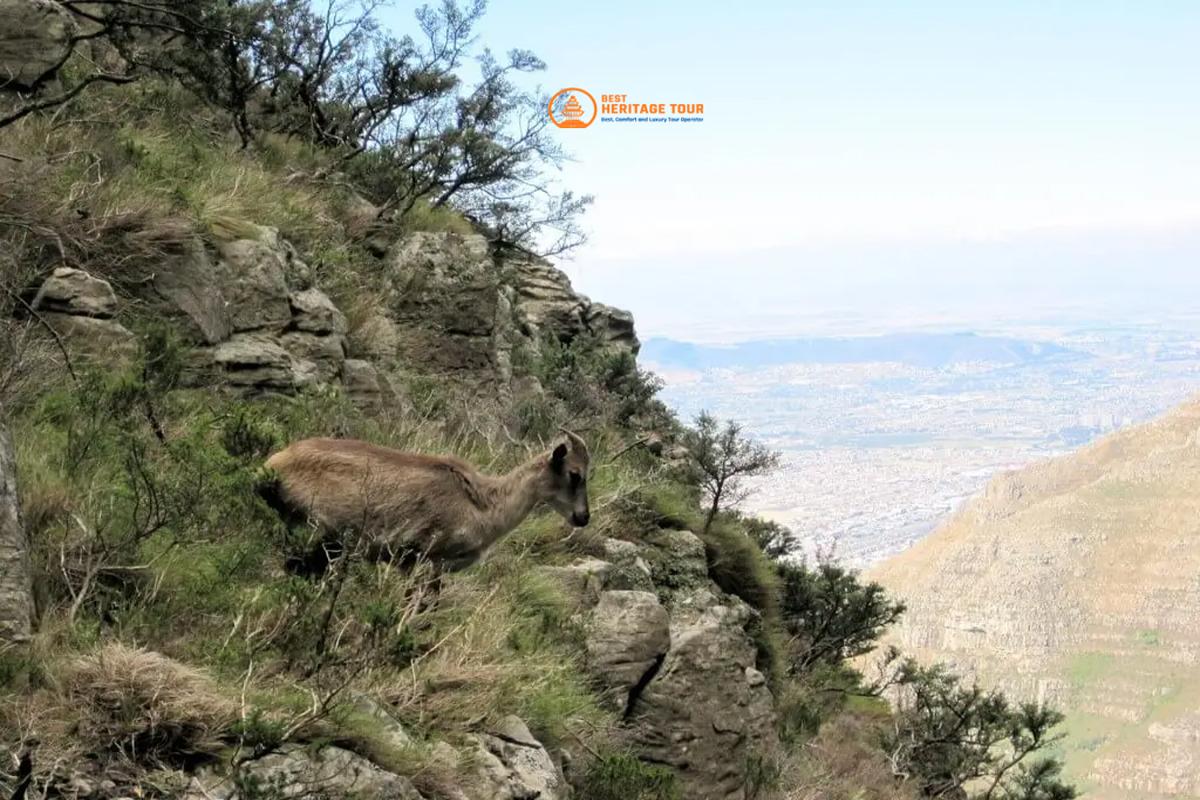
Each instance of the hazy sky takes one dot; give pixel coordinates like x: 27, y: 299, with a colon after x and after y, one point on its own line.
x: 856, y: 155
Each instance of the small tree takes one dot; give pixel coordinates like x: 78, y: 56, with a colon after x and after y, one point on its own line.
x: 720, y: 457
x: 962, y: 741
x: 830, y: 615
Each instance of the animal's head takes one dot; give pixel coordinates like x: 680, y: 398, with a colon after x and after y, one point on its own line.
x: 567, y: 470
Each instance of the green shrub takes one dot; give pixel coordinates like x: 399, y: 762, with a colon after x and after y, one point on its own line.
x: 624, y: 777
x: 738, y: 566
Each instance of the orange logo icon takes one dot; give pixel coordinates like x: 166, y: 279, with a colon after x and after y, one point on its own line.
x: 573, y: 108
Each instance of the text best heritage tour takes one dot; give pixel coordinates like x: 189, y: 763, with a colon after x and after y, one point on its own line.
x: 618, y: 104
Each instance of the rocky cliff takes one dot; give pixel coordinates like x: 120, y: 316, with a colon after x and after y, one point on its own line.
x: 669, y: 651
x: 1074, y: 581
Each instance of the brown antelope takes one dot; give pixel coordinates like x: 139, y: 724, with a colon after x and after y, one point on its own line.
x: 435, y: 507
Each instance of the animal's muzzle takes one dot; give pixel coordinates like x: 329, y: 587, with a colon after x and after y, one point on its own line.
x: 580, y: 520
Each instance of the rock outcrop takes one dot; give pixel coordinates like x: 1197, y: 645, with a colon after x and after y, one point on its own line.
x: 676, y: 662
x: 451, y: 312
x: 629, y: 637
x: 1073, y: 582
x: 510, y: 764
x: 707, y: 713
x: 81, y: 310
x: 546, y: 304
x: 35, y: 40
x: 298, y: 772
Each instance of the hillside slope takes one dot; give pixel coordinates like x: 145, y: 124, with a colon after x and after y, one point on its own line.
x: 1076, y: 581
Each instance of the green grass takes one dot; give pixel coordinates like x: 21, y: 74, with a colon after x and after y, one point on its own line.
x: 1086, y: 669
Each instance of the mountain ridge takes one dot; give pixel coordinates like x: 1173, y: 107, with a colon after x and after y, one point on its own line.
x: 1072, y: 581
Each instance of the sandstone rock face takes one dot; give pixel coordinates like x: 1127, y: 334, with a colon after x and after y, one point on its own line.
x: 678, y: 664
x: 707, y: 712
x: 35, y: 38
x: 627, y: 640
x: 547, y: 305
x: 1073, y: 582
x: 510, y: 764
x: 444, y: 296
x: 546, y: 301
x: 240, y: 302
x: 16, y: 590
x: 296, y: 772
x: 614, y: 326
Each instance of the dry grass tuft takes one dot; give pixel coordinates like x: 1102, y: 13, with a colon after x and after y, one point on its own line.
x: 142, y: 706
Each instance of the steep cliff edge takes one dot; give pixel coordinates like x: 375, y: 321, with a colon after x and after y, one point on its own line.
x: 1074, y: 581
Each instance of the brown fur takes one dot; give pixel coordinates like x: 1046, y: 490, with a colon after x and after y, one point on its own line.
x: 437, y: 506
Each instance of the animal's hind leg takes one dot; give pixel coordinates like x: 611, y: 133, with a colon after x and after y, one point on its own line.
x: 311, y: 550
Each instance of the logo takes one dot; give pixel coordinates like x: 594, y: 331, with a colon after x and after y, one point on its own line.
x: 573, y: 108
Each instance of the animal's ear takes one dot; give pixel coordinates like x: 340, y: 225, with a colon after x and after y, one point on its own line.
x: 558, y: 457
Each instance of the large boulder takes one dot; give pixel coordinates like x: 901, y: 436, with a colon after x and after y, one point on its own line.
x: 73, y: 291
x: 253, y: 270
x: 234, y: 282
x: 510, y: 764
x: 452, y: 316
x: 627, y: 639
x: 255, y: 362
x: 707, y: 712
x: 238, y: 298
x: 613, y: 326
x: 314, y: 312
x: 298, y: 772
x: 79, y: 308
x: 35, y: 40
x: 547, y: 305
x: 546, y: 302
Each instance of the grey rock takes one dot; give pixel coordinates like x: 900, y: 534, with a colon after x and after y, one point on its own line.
x: 677, y: 560
x: 255, y: 361
x: 364, y: 385
x: 35, y: 39
x: 582, y: 581
x: 315, y: 359
x: 73, y: 291
x: 629, y: 569
x: 188, y: 287
x: 297, y: 772
x: 546, y: 302
x: 388, y: 727
x: 104, y: 340
x: 510, y: 764
x: 614, y: 326
x: 444, y: 296
x: 314, y: 312
x: 255, y: 281
x: 628, y: 636
x: 707, y: 712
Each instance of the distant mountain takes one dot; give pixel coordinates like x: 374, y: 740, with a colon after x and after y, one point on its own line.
x: 915, y: 349
x: 1077, y: 581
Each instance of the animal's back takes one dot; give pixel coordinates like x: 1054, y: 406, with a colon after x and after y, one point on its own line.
x: 347, y: 482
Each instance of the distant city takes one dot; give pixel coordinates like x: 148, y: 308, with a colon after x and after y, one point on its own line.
x: 883, y: 436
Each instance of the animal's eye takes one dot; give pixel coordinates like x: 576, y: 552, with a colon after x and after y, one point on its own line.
x: 576, y: 479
